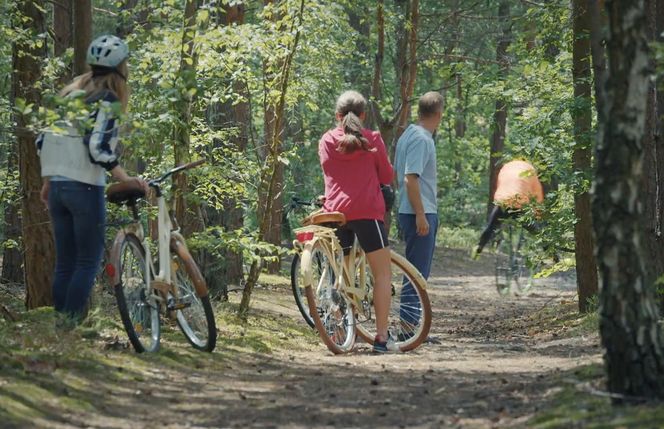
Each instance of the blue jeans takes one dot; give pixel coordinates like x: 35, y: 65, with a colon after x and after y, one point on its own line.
x: 419, y: 252
x: 78, y: 214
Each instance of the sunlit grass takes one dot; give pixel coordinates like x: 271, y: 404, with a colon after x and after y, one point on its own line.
x: 46, y: 373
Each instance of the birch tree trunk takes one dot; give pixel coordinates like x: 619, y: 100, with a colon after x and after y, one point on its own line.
x: 628, y: 313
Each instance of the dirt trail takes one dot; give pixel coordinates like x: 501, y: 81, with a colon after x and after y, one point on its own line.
x: 488, y: 364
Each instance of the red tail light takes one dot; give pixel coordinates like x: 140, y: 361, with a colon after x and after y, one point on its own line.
x: 110, y: 270
x: 303, y: 237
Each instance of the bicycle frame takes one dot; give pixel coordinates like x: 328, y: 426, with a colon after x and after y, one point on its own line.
x: 168, y: 238
x: 345, y: 278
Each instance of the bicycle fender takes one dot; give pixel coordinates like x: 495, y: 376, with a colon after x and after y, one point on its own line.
x: 179, y: 247
x: 116, y: 248
x: 305, y: 263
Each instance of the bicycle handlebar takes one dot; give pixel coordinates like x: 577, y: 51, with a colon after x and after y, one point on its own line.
x: 297, y: 201
x: 175, y: 170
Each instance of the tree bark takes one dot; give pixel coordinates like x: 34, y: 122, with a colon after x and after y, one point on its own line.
x: 597, y: 37
x: 273, y: 130
x: 408, y: 75
x: 12, y: 259
x: 376, y: 94
x: 186, y: 213
x: 38, y: 256
x: 500, y: 112
x: 270, y: 174
x: 586, y: 266
x: 628, y: 313
x: 233, y: 115
x: 133, y: 15
x: 359, y: 22
x: 82, y: 34
x: 62, y: 26
x: 653, y: 167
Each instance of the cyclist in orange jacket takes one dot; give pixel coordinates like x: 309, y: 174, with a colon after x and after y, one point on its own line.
x: 517, y: 185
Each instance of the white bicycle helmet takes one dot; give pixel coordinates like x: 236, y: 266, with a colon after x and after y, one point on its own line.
x: 107, y: 51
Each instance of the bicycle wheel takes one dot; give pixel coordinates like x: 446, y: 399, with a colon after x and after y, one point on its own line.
x: 139, y: 307
x: 331, y: 312
x: 365, y: 322
x: 409, y: 319
x: 191, y: 303
x: 298, y: 290
x: 511, y: 266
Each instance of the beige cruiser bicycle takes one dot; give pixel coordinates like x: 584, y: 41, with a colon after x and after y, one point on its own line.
x: 339, y: 290
x: 177, y: 288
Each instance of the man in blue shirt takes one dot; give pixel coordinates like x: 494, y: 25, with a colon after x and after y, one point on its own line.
x: 415, y: 165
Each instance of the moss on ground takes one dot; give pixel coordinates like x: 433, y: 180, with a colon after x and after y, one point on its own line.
x: 581, y: 403
x: 47, y: 374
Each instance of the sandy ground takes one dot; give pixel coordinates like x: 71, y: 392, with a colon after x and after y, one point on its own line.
x: 488, y: 363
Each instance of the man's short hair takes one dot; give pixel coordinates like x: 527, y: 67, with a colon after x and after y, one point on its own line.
x: 430, y: 104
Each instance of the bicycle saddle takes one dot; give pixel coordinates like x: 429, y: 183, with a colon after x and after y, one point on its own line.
x: 122, y: 192
x: 325, y: 218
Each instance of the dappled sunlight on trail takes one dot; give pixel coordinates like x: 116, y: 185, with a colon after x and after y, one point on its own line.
x: 490, y: 361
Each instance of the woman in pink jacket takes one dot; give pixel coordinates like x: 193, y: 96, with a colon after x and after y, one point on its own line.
x: 355, y: 164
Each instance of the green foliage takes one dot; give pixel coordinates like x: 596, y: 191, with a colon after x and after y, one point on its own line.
x: 241, y: 65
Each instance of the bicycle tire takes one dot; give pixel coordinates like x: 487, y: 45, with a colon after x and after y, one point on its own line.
x: 298, y: 291
x: 192, y: 306
x: 131, y: 295
x: 329, y: 308
x: 511, y: 266
x: 408, y: 334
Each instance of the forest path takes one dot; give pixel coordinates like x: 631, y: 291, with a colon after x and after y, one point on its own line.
x: 490, y: 363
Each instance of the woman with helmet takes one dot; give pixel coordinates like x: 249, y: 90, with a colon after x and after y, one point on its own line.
x: 74, y: 162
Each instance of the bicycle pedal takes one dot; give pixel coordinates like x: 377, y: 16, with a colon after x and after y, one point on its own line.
x: 179, y: 306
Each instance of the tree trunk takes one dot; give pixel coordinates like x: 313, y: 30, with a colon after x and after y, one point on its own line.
x: 628, y: 313
x: 359, y: 22
x: 62, y: 26
x: 82, y: 34
x: 586, y: 267
x: 273, y: 130
x: 220, y: 272
x: 132, y: 16
x: 38, y: 257
x: 653, y: 166
x: 188, y: 215
x: 500, y: 112
x: 62, y: 31
x: 12, y: 259
x: 270, y: 174
x: 408, y: 75
x: 659, y: 148
x: 376, y: 118
x: 597, y: 37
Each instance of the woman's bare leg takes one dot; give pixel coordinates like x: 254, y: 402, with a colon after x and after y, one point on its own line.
x: 380, y: 261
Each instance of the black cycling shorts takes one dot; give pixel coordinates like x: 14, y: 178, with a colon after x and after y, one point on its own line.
x: 370, y: 233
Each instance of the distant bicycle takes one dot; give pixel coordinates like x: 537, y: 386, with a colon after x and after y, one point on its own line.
x: 177, y: 289
x: 339, y: 290
x: 512, y: 267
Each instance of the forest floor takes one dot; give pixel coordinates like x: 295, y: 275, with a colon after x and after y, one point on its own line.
x: 491, y: 362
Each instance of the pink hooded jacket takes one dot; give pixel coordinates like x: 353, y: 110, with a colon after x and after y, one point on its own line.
x: 352, y: 180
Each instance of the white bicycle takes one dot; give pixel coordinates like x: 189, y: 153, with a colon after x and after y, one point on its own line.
x: 177, y: 288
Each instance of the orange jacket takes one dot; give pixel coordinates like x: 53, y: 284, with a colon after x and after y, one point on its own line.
x: 517, y: 184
